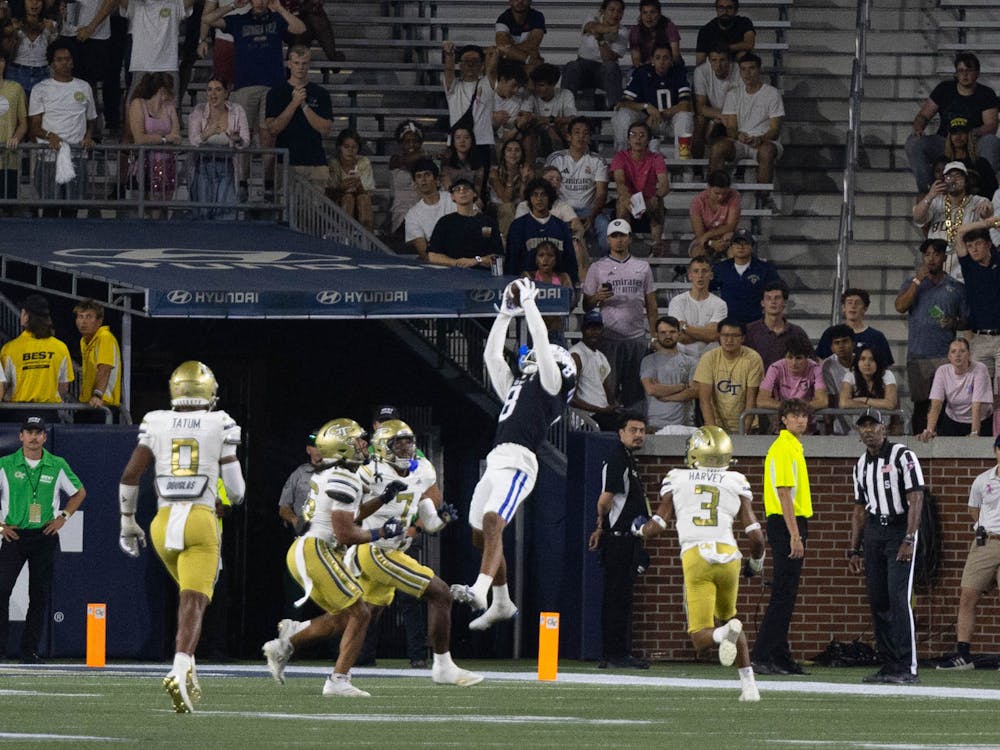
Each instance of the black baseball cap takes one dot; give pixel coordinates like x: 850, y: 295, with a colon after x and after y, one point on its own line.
x: 870, y: 415
x: 34, y: 422
x: 384, y: 413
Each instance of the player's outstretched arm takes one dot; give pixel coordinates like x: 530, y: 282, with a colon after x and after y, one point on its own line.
x: 548, y: 369
x: 501, y: 377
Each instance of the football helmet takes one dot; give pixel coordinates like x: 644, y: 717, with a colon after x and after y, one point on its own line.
x: 528, y: 364
x: 709, y: 447
x: 193, y: 384
x: 396, y: 444
x: 338, y: 441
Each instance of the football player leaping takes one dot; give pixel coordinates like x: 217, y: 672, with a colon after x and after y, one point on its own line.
x: 705, y: 499
x: 316, y: 559
x: 531, y: 403
x: 190, y: 447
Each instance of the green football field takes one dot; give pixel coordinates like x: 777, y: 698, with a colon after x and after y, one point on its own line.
x: 688, y: 706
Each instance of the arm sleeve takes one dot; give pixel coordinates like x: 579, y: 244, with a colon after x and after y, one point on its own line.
x: 500, y: 375
x: 548, y: 368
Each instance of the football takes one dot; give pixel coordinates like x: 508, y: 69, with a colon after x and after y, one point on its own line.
x: 514, y: 294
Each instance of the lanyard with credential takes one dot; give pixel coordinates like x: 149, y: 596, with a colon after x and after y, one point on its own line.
x: 35, y: 508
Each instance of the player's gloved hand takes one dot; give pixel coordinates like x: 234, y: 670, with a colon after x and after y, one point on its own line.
x: 132, y: 537
x: 752, y: 566
x: 637, y: 523
x: 528, y: 290
x: 507, y: 304
x: 392, y: 527
x: 391, y: 490
x: 448, y: 512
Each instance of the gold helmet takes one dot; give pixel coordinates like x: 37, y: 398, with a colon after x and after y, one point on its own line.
x: 385, y: 439
x: 709, y: 447
x: 337, y: 441
x: 193, y: 384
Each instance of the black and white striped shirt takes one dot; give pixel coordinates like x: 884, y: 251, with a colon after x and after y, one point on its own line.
x: 881, y: 482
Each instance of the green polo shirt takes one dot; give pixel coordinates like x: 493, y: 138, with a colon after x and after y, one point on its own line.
x: 785, y: 466
x: 20, y: 486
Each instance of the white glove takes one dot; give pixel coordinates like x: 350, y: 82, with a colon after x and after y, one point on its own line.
x: 507, y: 305
x: 132, y: 537
x: 757, y: 563
x: 528, y: 290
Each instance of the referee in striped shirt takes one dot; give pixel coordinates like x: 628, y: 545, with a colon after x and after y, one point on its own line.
x: 889, y: 493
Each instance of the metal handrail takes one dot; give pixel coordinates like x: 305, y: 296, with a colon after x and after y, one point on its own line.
x: 830, y: 412
x: 311, y: 212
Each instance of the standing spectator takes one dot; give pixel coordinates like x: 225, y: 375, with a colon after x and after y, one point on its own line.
x: 31, y: 482
x: 470, y: 96
x: 659, y: 95
x: 788, y: 507
x: 519, y: 32
x: 870, y: 383
x: 667, y: 375
x: 152, y: 119
x: 538, y: 226
x: 410, y: 140
x: 961, y: 397
x: 771, y: 336
x: 888, y: 496
x: 155, y: 26
x: 26, y: 39
x: 36, y: 365
x: 948, y: 205
x: 511, y: 105
x: 728, y: 378
x: 622, y: 287
x: 712, y: 82
x: 740, y: 280
x: 715, y: 214
x: 959, y: 96
x: 698, y: 311
x: 223, y: 47
x: 313, y: 14
x: 794, y: 377
x: 351, y: 182
x: 604, y: 41
x: 433, y: 204
x: 935, y: 307
x: 752, y: 115
x: 982, y: 563
x: 594, y: 385
x: 13, y: 129
x: 642, y: 183
x: 91, y: 38
x: 507, y: 181
x: 733, y: 31
x: 217, y: 124
x: 854, y: 304
x: 101, y: 357
x: 553, y: 108
x: 652, y: 30
x: 584, y: 179
x: 620, y: 504
x: 835, y: 367
x: 464, y: 161
x: 464, y: 238
x: 960, y: 145
x: 299, y: 116
x: 980, y: 264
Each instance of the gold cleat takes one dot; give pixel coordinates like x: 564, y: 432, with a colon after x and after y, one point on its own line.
x: 177, y: 689
x: 194, y: 687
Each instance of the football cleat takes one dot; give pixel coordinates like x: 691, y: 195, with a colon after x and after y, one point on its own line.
x: 453, y: 675
x: 465, y: 595
x: 277, y: 653
x: 750, y: 694
x: 727, y: 648
x: 193, y: 384
x: 287, y: 628
x: 177, y: 688
x: 343, y: 688
x: 496, y: 613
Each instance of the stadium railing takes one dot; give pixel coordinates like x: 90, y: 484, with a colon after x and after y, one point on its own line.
x: 901, y: 414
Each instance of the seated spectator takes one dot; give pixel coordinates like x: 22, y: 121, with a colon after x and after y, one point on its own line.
x: 13, y: 129
x: 960, y: 145
x: 507, y: 181
x: 36, y: 365
x: 740, y: 280
x: 433, y: 204
x: 715, y: 214
x: 25, y: 41
x: 594, y: 385
x: 512, y: 113
x: 462, y: 161
x: 561, y: 209
x: 217, y: 123
x: 667, y: 376
x: 728, y: 378
x: 657, y: 94
x: 152, y: 118
x: 603, y: 44
x: 795, y: 376
x: 410, y: 139
x: 733, y: 31
x: 771, y: 335
x: 652, y: 30
x: 869, y: 383
x: 698, y: 311
x: 553, y: 108
x: 752, y: 115
x: 536, y: 226
x: 470, y: 96
x: 543, y: 268
x: 835, y: 367
x: 961, y: 397
x: 351, y: 179
x: 712, y: 82
x: 642, y: 183
x: 854, y: 304
x: 464, y: 238
x: 519, y: 32
x: 939, y: 208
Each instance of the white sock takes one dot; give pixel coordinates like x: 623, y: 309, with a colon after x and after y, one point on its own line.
x: 443, y: 661
x: 501, y: 595
x: 746, y: 676
x: 482, y: 585
x: 719, y: 634
x: 182, y: 662
x: 341, y: 677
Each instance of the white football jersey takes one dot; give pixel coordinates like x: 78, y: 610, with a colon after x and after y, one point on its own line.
x: 347, y: 487
x: 404, y: 507
x: 706, y: 501
x: 187, y: 446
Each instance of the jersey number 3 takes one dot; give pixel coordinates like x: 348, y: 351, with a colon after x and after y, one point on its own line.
x: 711, y: 505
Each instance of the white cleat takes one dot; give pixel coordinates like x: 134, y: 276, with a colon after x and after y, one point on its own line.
x: 287, y: 628
x: 277, y: 653
x: 343, y: 689
x: 750, y: 694
x: 496, y: 613
x: 177, y: 687
x: 727, y: 649
x: 465, y: 595
x: 455, y: 676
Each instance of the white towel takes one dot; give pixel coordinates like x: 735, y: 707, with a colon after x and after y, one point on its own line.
x: 711, y: 553
x: 64, y: 165
x: 175, y: 524
x: 300, y: 566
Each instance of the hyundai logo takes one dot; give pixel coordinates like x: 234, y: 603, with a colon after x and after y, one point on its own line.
x: 179, y: 297
x: 482, y: 295
x: 327, y: 297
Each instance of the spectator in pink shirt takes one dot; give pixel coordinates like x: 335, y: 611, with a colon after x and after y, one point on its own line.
x: 961, y: 397
x: 715, y: 214
x: 794, y: 376
x: 638, y: 170
x: 653, y: 29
